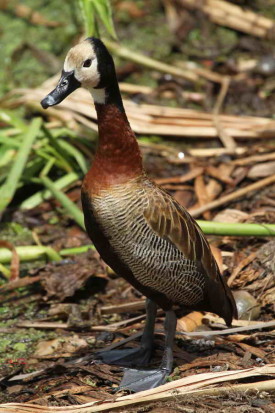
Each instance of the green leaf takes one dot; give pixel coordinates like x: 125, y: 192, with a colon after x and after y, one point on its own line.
x: 55, y: 149
x: 48, y: 152
x: 71, y: 150
x: 104, y: 12
x: 10, y: 118
x: 88, y: 15
x: 13, y: 143
x: 32, y: 169
x: 6, y: 156
x: 20, y: 346
x: 8, y: 189
x: 65, y: 201
x: 97, y: 9
x: 40, y: 196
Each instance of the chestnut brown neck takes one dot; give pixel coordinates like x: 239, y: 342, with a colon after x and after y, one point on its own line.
x: 118, y: 158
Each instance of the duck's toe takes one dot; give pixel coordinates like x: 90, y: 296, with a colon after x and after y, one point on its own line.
x: 139, y: 380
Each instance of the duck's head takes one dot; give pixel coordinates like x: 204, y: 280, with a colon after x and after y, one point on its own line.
x: 88, y: 64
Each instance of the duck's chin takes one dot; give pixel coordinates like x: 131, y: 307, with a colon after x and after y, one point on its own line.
x: 99, y: 95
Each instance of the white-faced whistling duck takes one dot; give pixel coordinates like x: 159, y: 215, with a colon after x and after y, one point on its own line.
x: 140, y: 231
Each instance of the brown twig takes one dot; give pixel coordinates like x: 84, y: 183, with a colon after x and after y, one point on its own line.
x: 182, y: 178
x: 253, y: 350
x: 141, y: 59
x: 25, y: 12
x: 226, y: 139
x: 259, y: 326
x: 254, y: 159
x: 209, y: 152
x: 202, y: 195
x: 147, y: 90
x: 123, y: 308
x: 18, y: 283
x: 54, y: 325
x: 227, y: 14
x: 216, y: 173
x: 42, y: 324
x: 233, y: 196
x: 15, y: 260
x: 267, y: 385
x: 240, y: 266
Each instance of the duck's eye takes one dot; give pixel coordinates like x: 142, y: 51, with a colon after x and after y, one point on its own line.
x: 87, y: 63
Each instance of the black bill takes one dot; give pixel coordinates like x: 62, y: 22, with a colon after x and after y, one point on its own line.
x: 66, y: 85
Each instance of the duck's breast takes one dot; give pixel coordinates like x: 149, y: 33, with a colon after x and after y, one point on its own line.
x: 154, y: 261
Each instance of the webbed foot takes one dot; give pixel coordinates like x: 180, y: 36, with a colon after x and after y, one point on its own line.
x: 139, y: 380
x: 139, y: 356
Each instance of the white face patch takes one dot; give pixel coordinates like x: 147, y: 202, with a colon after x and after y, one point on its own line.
x: 99, y: 95
x: 86, y: 73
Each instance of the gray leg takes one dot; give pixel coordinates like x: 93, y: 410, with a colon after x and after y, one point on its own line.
x: 170, y: 325
x: 147, y: 338
x: 139, y: 380
x: 139, y: 356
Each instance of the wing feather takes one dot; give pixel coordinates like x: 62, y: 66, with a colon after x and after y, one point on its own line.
x: 171, y: 221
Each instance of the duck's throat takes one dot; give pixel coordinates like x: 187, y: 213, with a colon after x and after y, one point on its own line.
x: 117, y: 147
x: 118, y: 158
x: 109, y: 95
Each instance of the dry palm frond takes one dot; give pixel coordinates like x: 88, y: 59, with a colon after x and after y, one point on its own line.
x: 147, y: 119
x: 198, y: 384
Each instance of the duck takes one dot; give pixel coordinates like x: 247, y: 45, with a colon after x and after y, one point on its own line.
x: 138, y: 228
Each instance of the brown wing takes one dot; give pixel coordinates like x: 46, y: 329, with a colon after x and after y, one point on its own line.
x: 172, y: 222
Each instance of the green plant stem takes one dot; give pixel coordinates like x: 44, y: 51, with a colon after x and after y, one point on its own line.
x: 8, y: 189
x: 70, y: 207
x: 76, y: 250
x: 9, y: 117
x: 5, y: 271
x: 208, y: 227
x: 146, y: 61
x: 237, y: 229
x: 4, y: 140
x: 29, y: 253
x: 40, y: 196
x: 33, y: 252
x: 46, y: 169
